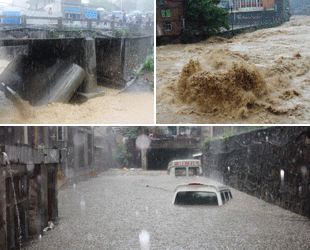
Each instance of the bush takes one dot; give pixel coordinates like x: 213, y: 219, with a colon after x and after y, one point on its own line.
x: 122, y: 33
x: 148, y: 65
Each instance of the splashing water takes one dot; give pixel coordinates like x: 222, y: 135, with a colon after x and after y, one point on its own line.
x: 19, y: 238
x: 144, y: 239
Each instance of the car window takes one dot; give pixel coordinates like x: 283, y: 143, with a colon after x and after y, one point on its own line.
x: 192, y: 171
x: 180, y: 171
x: 196, y: 198
x: 227, y: 195
x: 223, y: 197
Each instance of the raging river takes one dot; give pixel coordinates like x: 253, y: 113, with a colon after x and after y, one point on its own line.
x: 258, y: 77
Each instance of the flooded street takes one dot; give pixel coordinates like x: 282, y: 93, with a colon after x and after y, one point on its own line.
x: 258, y: 77
x: 110, y: 211
x: 112, y: 108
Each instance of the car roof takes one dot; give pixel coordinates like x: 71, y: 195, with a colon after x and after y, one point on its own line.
x: 200, y: 186
x: 182, y: 162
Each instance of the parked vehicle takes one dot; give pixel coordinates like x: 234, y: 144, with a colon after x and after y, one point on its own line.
x: 201, y: 194
x: 184, y: 168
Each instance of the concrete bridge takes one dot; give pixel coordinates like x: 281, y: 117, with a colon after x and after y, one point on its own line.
x: 85, y: 61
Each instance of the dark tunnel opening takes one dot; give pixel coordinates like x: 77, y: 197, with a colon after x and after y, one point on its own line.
x: 158, y: 159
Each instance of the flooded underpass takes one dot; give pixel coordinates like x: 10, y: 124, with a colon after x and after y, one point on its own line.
x: 113, y: 107
x: 259, y: 77
x: 112, y: 210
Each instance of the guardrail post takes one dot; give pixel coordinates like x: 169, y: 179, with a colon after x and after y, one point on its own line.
x: 89, y: 23
x: 24, y: 21
x: 60, y: 23
x: 113, y: 23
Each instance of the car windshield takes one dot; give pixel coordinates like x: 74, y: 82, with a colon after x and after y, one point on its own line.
x: 180, y: 171
x: 192, y: 171
x: 196, y: 198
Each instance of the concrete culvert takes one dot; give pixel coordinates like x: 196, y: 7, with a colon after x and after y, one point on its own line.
x: 46, y: 82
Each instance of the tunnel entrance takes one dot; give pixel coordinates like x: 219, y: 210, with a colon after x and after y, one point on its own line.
x: 158, y: 159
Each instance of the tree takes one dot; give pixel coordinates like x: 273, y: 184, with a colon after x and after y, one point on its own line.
x: 210, y: 17
x: 127, y: 147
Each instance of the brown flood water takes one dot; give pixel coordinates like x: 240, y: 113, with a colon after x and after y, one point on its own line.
x: 112, y: 108
x: 260, y: 77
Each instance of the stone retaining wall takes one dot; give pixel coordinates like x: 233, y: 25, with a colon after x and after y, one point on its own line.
x: 272, y: 164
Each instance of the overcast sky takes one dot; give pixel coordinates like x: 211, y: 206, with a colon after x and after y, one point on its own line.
x: 6, y: 1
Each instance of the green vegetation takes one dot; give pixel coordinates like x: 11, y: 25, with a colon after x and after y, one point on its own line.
x: 124, y: 157
x: 211, y: 18
x: 229, y: 133
x: 252, y: 128
x: 264, y: 26
x: 76, y: 32
x: 131, y: 132
x: 148, y: 65
x: 122, y: 33
x: 126, y: 148
x: 52, y: 33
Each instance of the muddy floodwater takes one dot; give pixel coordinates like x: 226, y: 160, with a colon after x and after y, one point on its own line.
x: 258, y: 77
x: 112, y: 108
x: 112, y: 210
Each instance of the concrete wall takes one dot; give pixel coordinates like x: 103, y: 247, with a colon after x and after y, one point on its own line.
x: 136, y: 51
x: 253, y: 162
x: 118, y: 57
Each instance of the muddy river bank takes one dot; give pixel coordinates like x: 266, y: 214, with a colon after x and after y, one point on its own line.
x: 112, y: 108
x: 259, y: 77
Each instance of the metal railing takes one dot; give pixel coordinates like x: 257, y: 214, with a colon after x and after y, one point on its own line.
x: 59, y: 22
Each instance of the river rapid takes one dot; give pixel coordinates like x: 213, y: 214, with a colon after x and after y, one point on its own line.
x: 259, y: 77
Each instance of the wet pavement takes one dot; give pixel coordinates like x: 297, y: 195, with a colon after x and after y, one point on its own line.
x: 110, y: 211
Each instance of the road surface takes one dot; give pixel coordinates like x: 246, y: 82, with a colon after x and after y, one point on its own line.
x: 112, y: 210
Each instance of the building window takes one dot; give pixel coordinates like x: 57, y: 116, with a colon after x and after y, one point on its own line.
x: 60, y: 133
x: 165, y: 13
x: 161, y: 2
x: 167, y: 26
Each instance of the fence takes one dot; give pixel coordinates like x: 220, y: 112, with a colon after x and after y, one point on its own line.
x: 57, y: 22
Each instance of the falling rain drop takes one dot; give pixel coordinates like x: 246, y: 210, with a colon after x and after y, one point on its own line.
x: 304, y: 170
x: 143, y: 142
x: 53, y: 154
x: 137, y: 213
x: 144, y: 239
x: 82, y: 203
x: 282, y: 176
x: 30, y: 167
x: 300, y: 189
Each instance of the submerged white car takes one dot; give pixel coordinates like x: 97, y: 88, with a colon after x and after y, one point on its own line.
x: 184, y: 168
x: 201, y: 194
